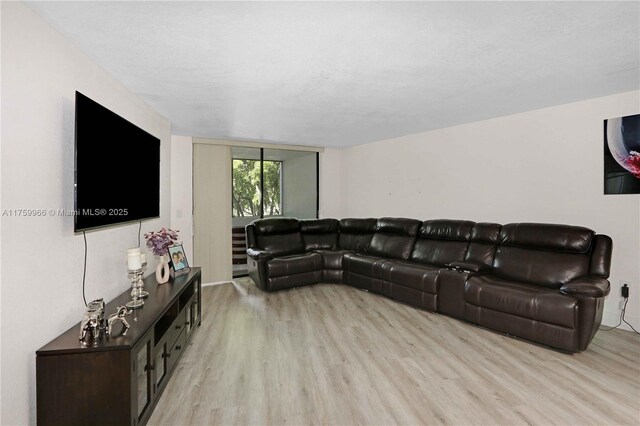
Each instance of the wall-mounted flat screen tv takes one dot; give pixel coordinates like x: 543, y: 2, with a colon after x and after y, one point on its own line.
x: 117, y: 168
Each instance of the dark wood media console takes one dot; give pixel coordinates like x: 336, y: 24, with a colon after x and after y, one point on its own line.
x: 120, y: 379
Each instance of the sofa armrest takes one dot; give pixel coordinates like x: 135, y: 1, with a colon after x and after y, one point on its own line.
x: 258, y: 255
x: 468, y: 266
x: 591, y: 286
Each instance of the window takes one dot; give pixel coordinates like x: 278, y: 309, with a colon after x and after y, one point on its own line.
x: 245, y: 200
x: 272, y: 178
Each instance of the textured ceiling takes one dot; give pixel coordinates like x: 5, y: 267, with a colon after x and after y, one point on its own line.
x: 341, y: 74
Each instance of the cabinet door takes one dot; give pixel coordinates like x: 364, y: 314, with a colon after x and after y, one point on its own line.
x: 176, y: 350
x: 142, y: 379
x: 188, y: 318
x: 160, y: 364
x: 192, y: 315
x: 196, y: 303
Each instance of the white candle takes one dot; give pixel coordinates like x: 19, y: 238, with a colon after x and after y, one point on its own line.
x: 134, y: 261
x: 133, y: 250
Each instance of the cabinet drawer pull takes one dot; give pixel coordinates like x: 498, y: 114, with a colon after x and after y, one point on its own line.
x: 178, y: 327
x: 187, y: 323
x: 178, y: 348
x: 148, y: 367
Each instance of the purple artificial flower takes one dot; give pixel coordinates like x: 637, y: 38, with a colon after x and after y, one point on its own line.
x: 160, y: 241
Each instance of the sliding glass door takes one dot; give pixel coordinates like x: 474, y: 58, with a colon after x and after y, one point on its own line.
x: 290, y: 183
x: 270, y: 183
x: 246, y: 181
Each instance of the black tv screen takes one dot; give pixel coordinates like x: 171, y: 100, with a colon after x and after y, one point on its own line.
x: 117, y: 168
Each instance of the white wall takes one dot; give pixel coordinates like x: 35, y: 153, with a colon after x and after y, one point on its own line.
x: 332, y: 195
x: 539, y: 166
x: 181, y: 191
x: 42, y: 259
x: 298, y: 187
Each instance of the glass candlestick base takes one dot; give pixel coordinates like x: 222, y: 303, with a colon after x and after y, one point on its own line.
x: 135, y: 304
x: 136, y: 299
x: 142, y: 294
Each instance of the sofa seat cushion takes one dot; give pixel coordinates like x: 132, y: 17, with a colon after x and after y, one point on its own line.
x: 524, y: 300
x: 332, y: 259
x: 418, y: 277
x: 368, y: 266
x: 294, y: 264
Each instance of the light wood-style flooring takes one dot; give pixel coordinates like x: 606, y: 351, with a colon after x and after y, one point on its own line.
x: 332, y: 354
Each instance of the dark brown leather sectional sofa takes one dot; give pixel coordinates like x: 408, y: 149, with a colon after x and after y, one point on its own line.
x: 541, y: 282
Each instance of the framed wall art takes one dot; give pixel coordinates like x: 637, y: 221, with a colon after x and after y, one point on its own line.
x: 622, y: 155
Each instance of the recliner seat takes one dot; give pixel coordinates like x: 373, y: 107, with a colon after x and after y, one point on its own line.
x: 541, y: 282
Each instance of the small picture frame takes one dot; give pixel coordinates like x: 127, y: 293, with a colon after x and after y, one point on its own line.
x: 178, y: 259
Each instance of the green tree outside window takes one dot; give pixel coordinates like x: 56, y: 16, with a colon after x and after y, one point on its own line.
x: 246, y: 188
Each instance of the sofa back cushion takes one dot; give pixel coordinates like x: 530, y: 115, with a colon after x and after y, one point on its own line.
x: 442, y: 241
x: 279, y: 236
x: 394, y: 237
x: 543, y: 254
x: 319, y: 233
x: 483, y: 243
x: 356, y: 234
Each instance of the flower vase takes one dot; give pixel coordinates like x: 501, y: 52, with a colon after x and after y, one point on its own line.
x: 162, y: 270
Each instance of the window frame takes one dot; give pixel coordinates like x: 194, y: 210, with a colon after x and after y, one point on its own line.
x: 262, y: 160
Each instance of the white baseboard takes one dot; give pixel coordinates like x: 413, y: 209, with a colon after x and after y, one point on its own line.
x: 223, y: 282
x: 215, y: 283
x: 610, y: 319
